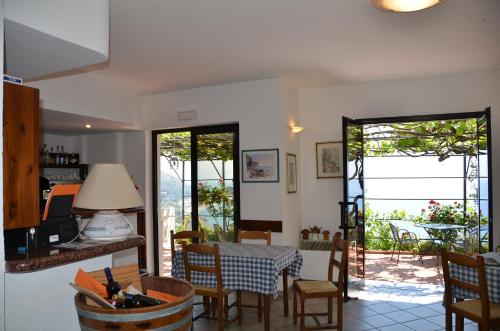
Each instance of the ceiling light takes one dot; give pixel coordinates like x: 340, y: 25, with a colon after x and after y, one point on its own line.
x: 297, y: 129
x: 404, y: 6
x: 88, y: 126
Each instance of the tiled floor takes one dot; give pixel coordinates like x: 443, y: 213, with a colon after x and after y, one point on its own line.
x: 383, y: 306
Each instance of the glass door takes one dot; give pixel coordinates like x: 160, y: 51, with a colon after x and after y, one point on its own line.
x: 215, y: 176
x: 352, y: 208
x: 196, y: 185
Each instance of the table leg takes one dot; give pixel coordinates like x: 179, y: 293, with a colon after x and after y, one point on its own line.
x: 267, y: 312
x: 285, y: 292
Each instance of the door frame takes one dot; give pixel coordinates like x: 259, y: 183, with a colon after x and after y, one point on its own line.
x: 195, y: 131
x: 449, y: 116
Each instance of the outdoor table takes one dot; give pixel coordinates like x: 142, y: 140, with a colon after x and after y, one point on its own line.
x: 492, y: 267
x: 248, y: 267
x: 444, y: 228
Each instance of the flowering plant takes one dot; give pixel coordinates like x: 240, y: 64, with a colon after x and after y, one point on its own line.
x: 445, y: 214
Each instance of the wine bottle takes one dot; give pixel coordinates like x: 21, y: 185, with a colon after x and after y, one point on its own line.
x: 140, y: 300
x: 119, y: 301
x: 112, y: 287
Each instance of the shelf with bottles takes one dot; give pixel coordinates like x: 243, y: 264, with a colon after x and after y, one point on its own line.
x: 60, y: 166
x: 58, y: 158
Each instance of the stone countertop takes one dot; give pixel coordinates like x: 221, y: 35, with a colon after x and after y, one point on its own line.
x: 50, y: 257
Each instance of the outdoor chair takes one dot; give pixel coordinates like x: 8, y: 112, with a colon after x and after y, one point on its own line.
x: 481, y: 311
x: 309, y: 289
x: 219, y: 232
x: 469, y: 241
x: 252, y: 236
x: 403, y: 237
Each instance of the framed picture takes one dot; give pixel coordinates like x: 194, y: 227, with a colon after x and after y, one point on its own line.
x: 291, y: 173
x: 329, y: 160
x: 260, y: 166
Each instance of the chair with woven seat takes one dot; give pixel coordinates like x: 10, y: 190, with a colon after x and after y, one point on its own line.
x: 306, y: 289
x: 481, y: 311
x: 182, y: 236
x: 403, y: 237
x: 218, y: 292
x: 252, y: 237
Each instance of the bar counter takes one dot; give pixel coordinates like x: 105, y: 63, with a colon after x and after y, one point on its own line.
x: 51, y: 257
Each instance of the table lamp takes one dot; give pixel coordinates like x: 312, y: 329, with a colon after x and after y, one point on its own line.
x: 107, y: 188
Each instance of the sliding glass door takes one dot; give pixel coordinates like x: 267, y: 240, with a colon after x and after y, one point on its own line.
x: 196, y: 185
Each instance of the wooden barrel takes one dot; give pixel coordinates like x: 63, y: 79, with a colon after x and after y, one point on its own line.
x: 176, y: 315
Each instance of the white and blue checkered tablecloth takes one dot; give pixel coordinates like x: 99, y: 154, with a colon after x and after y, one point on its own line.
x: 470, y: 275
x: 247, y: 267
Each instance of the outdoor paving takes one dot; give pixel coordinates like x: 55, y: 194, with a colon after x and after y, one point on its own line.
x: 409, y: 270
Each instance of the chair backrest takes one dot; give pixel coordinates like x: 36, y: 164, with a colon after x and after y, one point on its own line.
x: 254, y: 235
x: 395, y: 231
x: 60, y: 200
x: 200, y: 235
x: 338, y: 245
x: 210, y: 250
x: 480, y: 288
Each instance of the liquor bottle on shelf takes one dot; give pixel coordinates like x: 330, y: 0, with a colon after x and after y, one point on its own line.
x: 52, y: 156
x: 63, y: 156
x: 58, y: 155
x: 112, y: 287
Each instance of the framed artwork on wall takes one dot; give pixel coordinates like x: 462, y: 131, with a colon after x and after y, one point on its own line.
x: 329, y: 159
x: 291, y: 173
x: 260, y: 166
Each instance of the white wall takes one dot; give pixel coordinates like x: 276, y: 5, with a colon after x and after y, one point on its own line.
x: 46, y: 37
x: 256, y: 105
x: 71, y: 144
x: 321, y: 110
x: 91, y: 94
x: 289, y: 98
x: 64, y: 19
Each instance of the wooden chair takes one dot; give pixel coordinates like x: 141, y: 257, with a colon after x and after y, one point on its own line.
x: 218, y: 292
x: 478, y: 310
x: 253, y: 235
x: 200, y: 235
x: 306, y: 289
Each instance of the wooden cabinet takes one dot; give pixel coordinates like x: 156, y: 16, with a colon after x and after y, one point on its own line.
x: 20, y: 156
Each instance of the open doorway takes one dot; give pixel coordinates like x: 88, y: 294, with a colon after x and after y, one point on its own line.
x: 196, y: 185
x: 407, y: 173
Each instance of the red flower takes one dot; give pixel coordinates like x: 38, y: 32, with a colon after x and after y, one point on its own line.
x: 423, y: 210
x: 432, y: 202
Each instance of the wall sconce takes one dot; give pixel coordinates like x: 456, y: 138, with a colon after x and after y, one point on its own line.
x: 296, y: 129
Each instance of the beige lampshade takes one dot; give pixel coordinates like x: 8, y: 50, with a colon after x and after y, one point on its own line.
x: 108, y: 186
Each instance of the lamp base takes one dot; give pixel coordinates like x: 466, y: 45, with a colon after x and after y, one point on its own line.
x: 108, y: 225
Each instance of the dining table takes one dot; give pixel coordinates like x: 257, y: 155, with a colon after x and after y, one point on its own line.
x: 492, y: 268
x: 248, y: 267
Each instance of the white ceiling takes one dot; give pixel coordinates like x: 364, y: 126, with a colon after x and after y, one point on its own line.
x: 66, y: 124
x: 159, y: 45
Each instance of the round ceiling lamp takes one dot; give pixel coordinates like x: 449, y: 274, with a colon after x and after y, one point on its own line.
x: 404, y: 6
